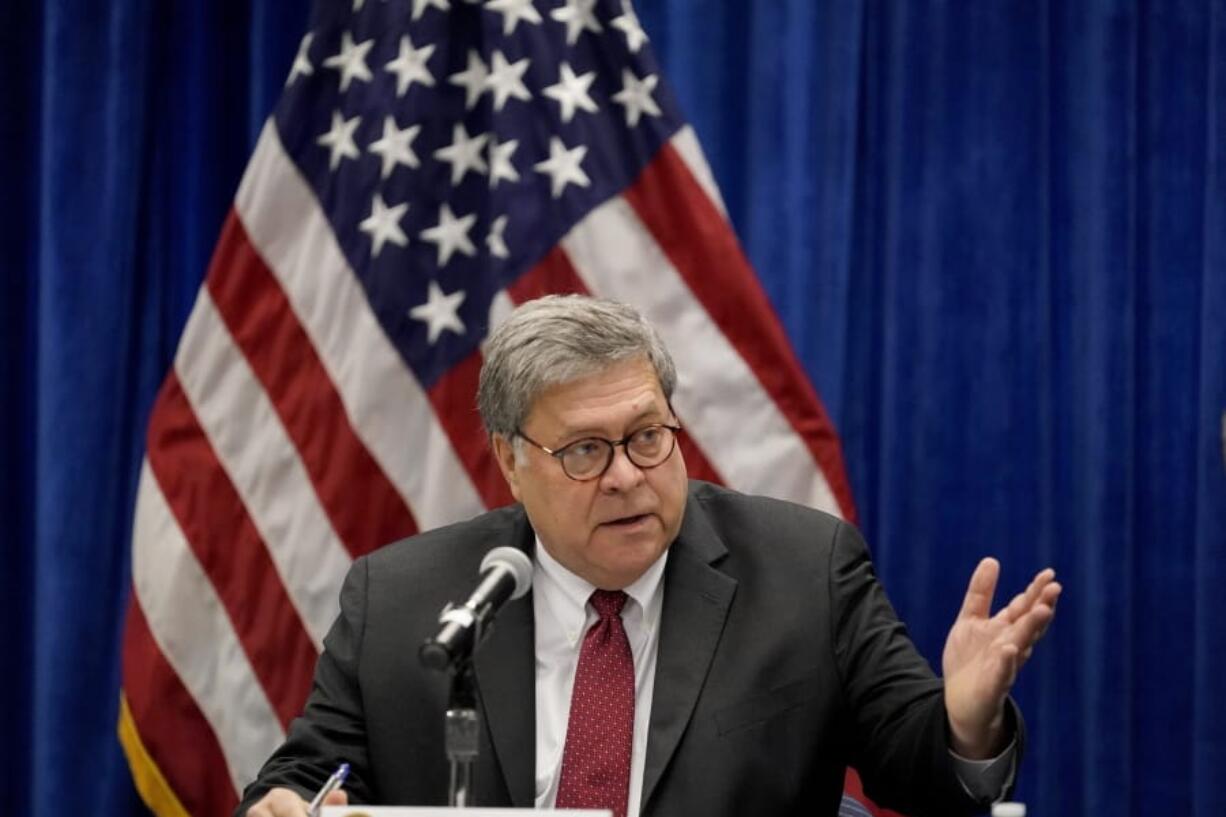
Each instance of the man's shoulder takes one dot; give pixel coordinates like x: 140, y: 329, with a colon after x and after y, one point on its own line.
x: 718, y: 501
x: 762, y: 524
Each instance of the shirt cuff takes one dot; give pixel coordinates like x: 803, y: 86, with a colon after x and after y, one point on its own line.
x: 987, y: 780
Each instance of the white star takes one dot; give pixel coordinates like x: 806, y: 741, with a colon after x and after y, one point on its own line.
x: 472, y: 78
x: 450, y: 234
x: 506, y: 79
x: 464, y: 153
x: 635, y: 96
x: 339, y: 139
x: 357, y: 4
x: 495, y: 242
x: 513, y: 11
x: 571, y: 91
x: 419, y: 6
x: 629, y: 24
x: 500, y: 161
x: 302, y: 60
x: 577, y: 15
x: 395, y: 147
x: 351, y: 60
x: 410, y: 66
x: 383, y: 224
x: 439, y: 312
x: 562, y: 166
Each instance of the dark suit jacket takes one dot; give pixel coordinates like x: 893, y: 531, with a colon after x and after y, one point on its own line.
x: 780, y: 663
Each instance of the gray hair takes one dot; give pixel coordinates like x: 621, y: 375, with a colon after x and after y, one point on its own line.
x: 557, y: 339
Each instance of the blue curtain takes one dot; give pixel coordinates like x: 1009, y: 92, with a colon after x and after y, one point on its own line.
x: 995, y: 233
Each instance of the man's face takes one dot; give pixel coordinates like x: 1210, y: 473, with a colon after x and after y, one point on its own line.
x: 607, y: 530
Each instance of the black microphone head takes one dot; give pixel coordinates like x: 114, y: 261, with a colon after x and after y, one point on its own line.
x: 514, y: 561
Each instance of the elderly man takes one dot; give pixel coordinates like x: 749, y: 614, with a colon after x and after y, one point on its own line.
x: 685, y: 649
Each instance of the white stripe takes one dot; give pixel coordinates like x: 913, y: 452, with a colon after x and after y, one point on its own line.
x: 501, y: 308
x: 722, y: 403
x: 685, y: 142
x: 264, y: 466
x: 193, y: 632
x: 387, y: 407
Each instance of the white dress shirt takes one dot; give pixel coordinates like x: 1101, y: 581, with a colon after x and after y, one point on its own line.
x: 563, y: 617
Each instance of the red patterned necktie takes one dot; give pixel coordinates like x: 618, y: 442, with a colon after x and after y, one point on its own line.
x: 596, y: 758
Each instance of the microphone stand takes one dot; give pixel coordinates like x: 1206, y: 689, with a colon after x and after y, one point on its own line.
x: 463, y: 628
x: 461, y: 722
x: 462, y: 731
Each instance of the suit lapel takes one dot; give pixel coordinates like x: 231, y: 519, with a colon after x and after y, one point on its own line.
x: 505, y: 669
x: 696, y: 602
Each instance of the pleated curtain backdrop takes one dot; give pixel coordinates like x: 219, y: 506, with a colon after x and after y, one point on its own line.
x: 995, y: 233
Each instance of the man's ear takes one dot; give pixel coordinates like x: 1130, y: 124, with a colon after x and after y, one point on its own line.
x: 504, y: 453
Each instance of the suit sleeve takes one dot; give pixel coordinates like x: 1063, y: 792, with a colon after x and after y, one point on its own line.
x: 332, y: 727
x: 898, y: 723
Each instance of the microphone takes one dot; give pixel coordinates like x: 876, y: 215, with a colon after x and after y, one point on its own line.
x: 506, y: 573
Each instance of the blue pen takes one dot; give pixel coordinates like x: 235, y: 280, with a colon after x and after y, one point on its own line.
x: 334, y: 783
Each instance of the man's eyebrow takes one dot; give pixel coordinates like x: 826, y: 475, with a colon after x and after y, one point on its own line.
x: 638, y: 421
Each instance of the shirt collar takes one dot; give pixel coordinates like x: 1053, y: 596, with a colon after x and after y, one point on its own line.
x: 575, y: 590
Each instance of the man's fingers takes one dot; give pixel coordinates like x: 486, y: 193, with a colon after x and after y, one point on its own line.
x: 978, y: 601
x: 337, y: 798
x: 279, y: 803
x: 1024, y: 633
x: 1024, y: 601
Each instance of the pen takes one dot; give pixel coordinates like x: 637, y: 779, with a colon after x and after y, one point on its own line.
x: 334, y: 782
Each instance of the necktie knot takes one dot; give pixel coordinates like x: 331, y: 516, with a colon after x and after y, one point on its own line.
x: 608, y: 603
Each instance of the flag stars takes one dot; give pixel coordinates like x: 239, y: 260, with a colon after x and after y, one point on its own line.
x: 472, y: 79
x: 577, y: 15
x: 495, y: 242
x: 628, y: 23
x: 440, y: 312
x: 506, y: 79
x: 410, y: 66
x: 563, y: 166
x: 302, y: 66
x: 500, y: 161
x: 464, y: 153
x: 420, y: 6
x: 395, y: 147
x: 339, y: 139
x: 450, y: 235
x: 351, y: 60
x: 635, y: 96
x: 571, y: 91
x: 383, y: 225
x: 513, y: 11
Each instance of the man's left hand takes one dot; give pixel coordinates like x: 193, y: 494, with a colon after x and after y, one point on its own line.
x: 983, y: 654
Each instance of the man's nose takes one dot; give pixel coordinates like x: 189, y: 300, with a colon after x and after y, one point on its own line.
x: 621, y: 474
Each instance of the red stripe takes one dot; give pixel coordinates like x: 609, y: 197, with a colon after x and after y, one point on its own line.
x: 704, y: 250
x: 361, y: 501
x: 219, y: 531
x: 454, y: 397
x: 853, y: 788
x: 555, y: 274
x: 552, y: 275
x: 171, y: 726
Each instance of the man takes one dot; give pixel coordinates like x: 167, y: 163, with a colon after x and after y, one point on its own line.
x: 685, y: 649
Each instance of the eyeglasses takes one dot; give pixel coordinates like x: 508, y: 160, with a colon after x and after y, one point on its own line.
x: 589, y: 458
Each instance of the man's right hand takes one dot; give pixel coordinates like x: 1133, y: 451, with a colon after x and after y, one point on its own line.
x: 287, y: 803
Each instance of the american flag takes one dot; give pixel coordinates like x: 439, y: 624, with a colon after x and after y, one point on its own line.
x: 430, y: 164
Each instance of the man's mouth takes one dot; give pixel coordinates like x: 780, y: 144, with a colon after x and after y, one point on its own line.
x: 626, y: 521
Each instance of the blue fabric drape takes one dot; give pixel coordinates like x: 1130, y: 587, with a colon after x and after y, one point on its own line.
x: 995, y: 233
